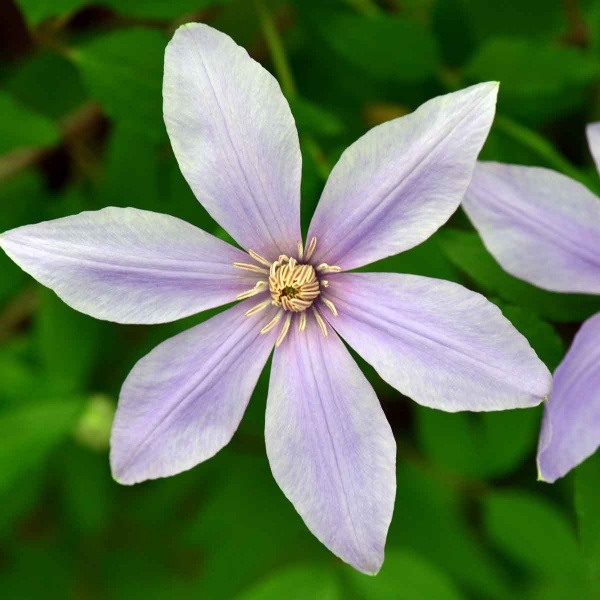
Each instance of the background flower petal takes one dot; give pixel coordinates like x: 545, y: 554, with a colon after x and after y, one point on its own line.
x: 402, y: 180
x: 437, y: 342
x: 128, y: 265
x: 593, y: 136
x: 184, y: 401
x: 541, y: 226
x: 330, y: 446
x: 571, y: 426
x: 234, y: 137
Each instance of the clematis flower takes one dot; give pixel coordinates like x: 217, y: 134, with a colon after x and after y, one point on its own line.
x: 329, y: 445
x: 544, y: 228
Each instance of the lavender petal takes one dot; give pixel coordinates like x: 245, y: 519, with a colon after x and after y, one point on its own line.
x: 571, y: 426
x: 593, y: 136
x: 330, y: 446
x: 184, y: 401
x: 402, y: 180
x: 541, y: 226
x: 235, y: 139
x: 128, y: 265
x: 437, y: 342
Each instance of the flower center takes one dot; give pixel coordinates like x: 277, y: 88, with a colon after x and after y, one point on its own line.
x: 293, y: 286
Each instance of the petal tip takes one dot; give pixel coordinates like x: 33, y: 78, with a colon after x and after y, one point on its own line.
x: 489, y: 87
x: 368, y: 565
x: 119, y: 473
x: 541, y: 477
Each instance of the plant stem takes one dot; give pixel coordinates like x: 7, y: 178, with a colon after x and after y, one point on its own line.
x: 286, y: 79
x: 277, y: 49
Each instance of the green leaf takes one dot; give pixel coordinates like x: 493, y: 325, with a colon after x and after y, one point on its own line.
x: 86, y: 483
x: 22, y: 201
x: 246, y: 511
x: 132, y: 175
x: 312, y: 182
x: 21, y: 127
x: 479, y: 445
x: 531, y: 18
x: 405, y: 576
x: 18, y: 380
x: 296, y: 583
x: 67, y: 343
x: 36, y: 11
x: 123, y: 71
x: 429, y: 521
x: 29, y: 433
x: 541, y: 335
x: 18, y: 500
x: 451, y: 26
x: 551, y: 81
x: 38, y: 566
x: 314, y: 119
x: 425, y: 259
x: 534, y: 533
x: 42, y: 71
x: 466, y: 251
x: 159, y: 9
x: 587, y: 503
x: 384, y: 47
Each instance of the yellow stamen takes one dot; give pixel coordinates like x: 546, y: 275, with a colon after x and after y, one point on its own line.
x: 257, y: 289
x: 272, y: 323
x: 320, y: 321
x: 302, y: 325
x: 300, y: 250
x: 325, y: 268
x: 259, y: 258
x: 284, y: 329
x: 329, y: 304
x: 311, y: 248
x: 257, y: 308
x: 253, y: 268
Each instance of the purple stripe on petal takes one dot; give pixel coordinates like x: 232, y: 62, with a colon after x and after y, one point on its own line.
x: 330, y: 446
x: 571, y: 426
x: 128, y: 265
x: 593, y: 135
x: 235, y: 139
x: 541, y: 226
x: 184, y: 401
x: 402, y: 180
x: 437, y: 342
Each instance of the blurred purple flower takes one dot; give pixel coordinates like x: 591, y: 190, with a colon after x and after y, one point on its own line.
x: 544, y: 227
x: 330, y: 447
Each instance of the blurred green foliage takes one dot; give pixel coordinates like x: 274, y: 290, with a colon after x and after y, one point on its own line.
x: 81, y: 128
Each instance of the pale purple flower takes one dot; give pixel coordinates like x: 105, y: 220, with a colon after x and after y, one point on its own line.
x: 330, y: 447
x: 544, y: 227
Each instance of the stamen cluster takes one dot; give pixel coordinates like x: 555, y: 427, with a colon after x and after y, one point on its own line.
x: 293, y: 287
